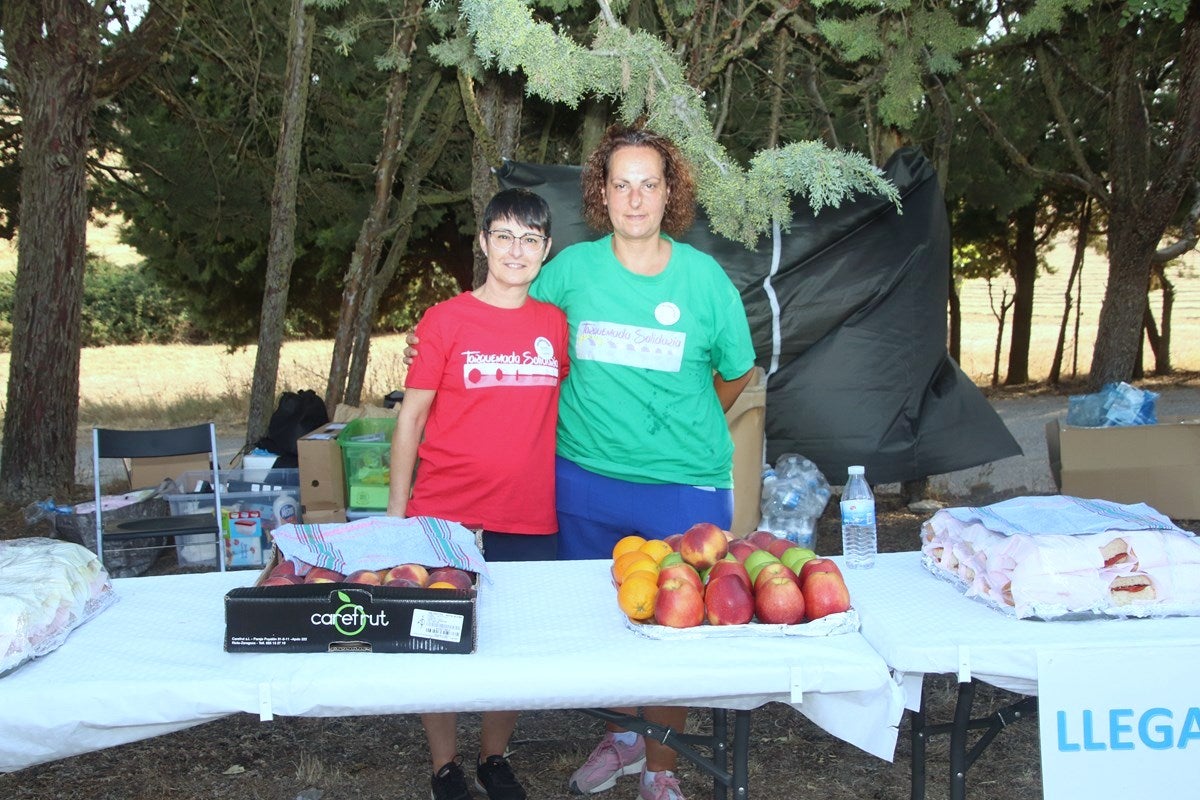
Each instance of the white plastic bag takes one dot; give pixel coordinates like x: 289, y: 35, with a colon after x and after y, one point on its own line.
x: 47, y: 589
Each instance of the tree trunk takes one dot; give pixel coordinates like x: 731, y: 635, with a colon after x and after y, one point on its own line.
x: 281, y: 250
x: 414, y: 174
x: 1160, y: 339
x: 1024, y: 275
x: 954, y: 330
x: 369, y: 246
x: 1141, y: 209
x: 53, y: 57
x: 1081, y: 241
x: 500, y: 101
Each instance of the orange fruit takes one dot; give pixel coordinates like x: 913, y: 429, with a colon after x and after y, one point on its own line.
x: 628, y: 544
x: 630, y: 562
x: 638, y: 571
x: 636, y: 597
x: 656, y: 549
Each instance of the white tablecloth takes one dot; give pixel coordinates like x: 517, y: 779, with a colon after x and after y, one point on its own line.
x: 922, y: 624
x: 549, y: 636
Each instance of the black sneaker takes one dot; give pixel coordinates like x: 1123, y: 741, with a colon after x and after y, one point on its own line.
x: 449, y: 783
x: 495, y: 777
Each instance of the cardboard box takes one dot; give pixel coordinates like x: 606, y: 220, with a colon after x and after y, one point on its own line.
x: 321, y: 473
x: 1154, y: 464
x: 147, y: 472
x: 322, y: 515
x: 747, y: 420
x: 348, y: 617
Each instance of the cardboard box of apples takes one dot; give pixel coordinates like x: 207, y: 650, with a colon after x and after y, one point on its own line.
x: 408, y: 608
x: 704, y: 581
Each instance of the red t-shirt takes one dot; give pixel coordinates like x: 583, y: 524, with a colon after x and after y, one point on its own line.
x: 487, y: 457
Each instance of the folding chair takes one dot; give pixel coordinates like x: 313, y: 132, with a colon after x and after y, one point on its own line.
x: 194, y: 440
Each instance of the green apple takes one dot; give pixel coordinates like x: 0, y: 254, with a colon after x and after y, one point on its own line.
x: 756, y: 560
x: 670, y: 558
x: 793, y: 557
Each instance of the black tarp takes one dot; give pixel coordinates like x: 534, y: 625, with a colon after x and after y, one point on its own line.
x: 848, y: 313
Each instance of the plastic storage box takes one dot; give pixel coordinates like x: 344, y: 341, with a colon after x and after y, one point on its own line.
x: 275, y: 494
x: 366, y: 455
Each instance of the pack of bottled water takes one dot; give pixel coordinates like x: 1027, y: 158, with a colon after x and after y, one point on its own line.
x: 794, y: 494
x: 1115, y: 404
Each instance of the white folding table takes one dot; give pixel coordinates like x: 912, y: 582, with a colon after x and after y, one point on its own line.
x: 923, y: 624
x: 550, y: 636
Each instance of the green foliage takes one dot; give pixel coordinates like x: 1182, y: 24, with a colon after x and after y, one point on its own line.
x: 121, y: 305
x: 198, y: 134
x: 647, y: 79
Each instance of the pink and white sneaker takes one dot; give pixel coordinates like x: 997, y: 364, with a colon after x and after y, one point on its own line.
x: 609, y: 761
x: 665, y: 786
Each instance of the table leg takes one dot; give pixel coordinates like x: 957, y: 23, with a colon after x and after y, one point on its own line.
x: 917, y: 741
x: 961, y: 758
x: 686, y: 744
x: 958, y: 740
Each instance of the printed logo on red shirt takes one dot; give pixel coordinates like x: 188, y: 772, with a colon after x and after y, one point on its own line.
x: 538, y: 367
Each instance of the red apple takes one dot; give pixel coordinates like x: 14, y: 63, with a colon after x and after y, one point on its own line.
x: 774, y: 569
x: 779, y: 547
x: 679, y: 604
x: 703, y: 545
x: 458, y: 578
x: 281, y: 580
x: 728, y: 601
x: 680, y: 571
x: 779, y: 601
x: 365, y: 577
x: 283, y: 569
x: 740, y: 548
x: 408, y: 572
x: 674, y: 539
x: 761, y: 539
x: 818, y: 565
x: 825, y: 593
x: 734, y: 568
x: 322, y: 575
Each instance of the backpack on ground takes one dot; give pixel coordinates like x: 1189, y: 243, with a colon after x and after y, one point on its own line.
x: 298, y: 413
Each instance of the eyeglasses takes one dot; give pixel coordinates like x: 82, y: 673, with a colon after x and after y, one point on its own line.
x: 505, y: 239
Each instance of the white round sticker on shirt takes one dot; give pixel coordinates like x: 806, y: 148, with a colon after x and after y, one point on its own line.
x: 543, y: 347
x: 667, y: 313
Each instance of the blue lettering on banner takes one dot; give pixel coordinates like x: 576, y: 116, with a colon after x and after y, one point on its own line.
x: 1156, y: 730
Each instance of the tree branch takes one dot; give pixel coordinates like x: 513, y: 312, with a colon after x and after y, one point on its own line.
x: 1064, y: 179
x: 1050, y: 86
x: 1188, y: 241
x: 137, y: 50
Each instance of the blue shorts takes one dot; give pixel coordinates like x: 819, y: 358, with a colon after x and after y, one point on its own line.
x: 595, y: 511
x: 519, y: 546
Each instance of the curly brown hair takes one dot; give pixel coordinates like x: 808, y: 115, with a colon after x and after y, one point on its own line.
x: 681, y: 203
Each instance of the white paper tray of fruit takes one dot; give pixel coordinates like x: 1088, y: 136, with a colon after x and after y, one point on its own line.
x: 832, y: 625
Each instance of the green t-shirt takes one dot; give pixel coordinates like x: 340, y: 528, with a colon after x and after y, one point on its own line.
x: 639, y: 402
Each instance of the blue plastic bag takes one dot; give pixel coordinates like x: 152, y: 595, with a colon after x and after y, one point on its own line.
x: 1115, y: 404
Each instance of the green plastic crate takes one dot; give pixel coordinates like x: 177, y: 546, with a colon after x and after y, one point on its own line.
x: 366, y: 455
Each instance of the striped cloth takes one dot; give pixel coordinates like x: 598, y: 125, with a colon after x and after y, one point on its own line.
x: 1063, y: 515
x: 381, y: 542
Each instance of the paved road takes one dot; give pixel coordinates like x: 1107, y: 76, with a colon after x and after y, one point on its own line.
x: 1026, y: 418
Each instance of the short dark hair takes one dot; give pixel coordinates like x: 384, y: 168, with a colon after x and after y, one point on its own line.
x: 681, y: 205
x: 522, y: 205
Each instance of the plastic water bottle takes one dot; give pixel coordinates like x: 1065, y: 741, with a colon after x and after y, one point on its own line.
x: 858, y: 521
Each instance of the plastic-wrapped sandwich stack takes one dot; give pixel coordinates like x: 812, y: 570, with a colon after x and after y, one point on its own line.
x: 1067, y: 557
x: 47, y: 589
